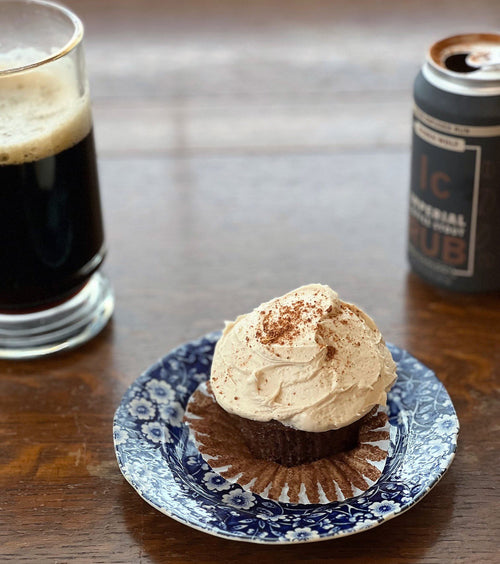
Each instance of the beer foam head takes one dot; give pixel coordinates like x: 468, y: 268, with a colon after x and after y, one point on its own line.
x: 43, y: 111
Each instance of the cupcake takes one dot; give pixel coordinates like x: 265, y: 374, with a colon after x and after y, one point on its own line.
x: 299, y: 373
x: 297, y: 382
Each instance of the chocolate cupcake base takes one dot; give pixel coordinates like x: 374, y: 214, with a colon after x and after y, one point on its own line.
x: 334, y: 478
x: 290, y: 447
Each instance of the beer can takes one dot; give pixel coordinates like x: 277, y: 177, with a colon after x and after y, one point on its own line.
x: 454, y: 208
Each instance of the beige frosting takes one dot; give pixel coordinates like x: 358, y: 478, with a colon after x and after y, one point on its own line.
x: 306, y: 359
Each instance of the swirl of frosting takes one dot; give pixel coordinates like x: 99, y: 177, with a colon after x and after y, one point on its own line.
x: 306, y: 359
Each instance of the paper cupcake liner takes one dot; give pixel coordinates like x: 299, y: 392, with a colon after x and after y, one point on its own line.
x: 338, y: 477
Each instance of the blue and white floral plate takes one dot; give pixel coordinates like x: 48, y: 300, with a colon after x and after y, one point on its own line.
x: 156, y: 456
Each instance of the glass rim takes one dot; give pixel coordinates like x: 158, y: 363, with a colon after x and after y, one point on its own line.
x: 73, y: 42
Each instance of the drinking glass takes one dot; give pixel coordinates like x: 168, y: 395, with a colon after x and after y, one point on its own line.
x: 52, y: 294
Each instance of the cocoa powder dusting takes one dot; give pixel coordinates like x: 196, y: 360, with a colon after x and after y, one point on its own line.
x: 284, y: 326
x: 330, y: 352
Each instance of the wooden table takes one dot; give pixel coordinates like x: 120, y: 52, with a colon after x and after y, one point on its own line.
x: 245, y: 149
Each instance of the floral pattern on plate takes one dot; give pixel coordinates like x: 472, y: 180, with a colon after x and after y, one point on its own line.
x: 161, y: 463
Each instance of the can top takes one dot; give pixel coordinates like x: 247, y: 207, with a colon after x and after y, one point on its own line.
x: 466, y: 64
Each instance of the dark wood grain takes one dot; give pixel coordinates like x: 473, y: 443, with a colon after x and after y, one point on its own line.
x: 245, y: 149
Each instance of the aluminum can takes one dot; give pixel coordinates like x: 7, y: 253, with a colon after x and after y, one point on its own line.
x: 454, y: 208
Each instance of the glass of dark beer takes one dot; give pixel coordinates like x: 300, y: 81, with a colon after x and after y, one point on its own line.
x: 52, y: 295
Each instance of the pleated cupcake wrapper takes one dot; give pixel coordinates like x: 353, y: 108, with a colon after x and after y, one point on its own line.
x: 338, y: 477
